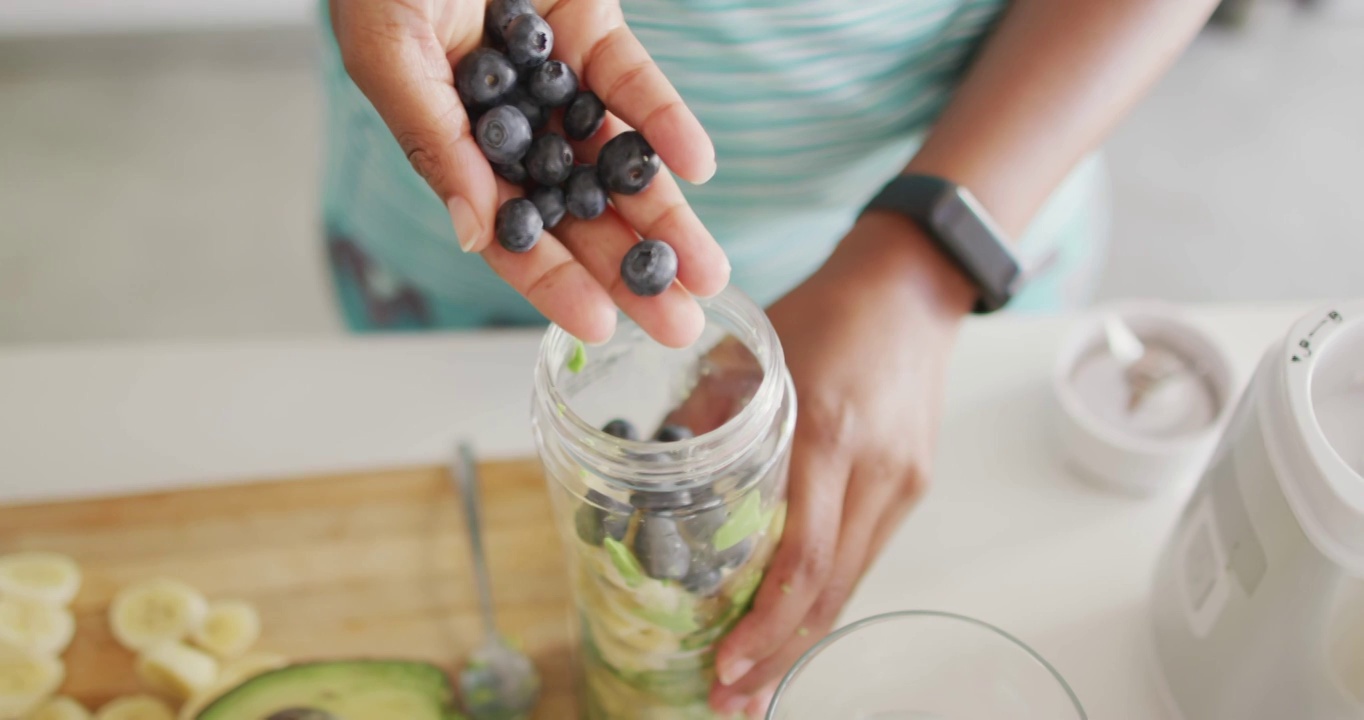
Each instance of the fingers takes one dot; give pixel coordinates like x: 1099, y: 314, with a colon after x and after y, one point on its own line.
x: 672, y: 318
x: 398, y: 64
x: 662, y: 213
x: 557, y: 284
x: 592, y: 38
x: 802, y: 564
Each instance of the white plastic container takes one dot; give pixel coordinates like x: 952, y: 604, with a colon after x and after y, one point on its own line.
x: 1257, y: 610
x: 1142, y: 456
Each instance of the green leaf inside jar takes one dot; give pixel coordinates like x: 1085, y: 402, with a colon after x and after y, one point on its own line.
x: 625, y: 563
x: 746, y: 519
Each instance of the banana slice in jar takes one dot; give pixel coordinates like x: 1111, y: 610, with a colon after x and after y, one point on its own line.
x: 44, y: 577
x: 158, y: 611
x: 35, y: 627
x: 26, y: 679
x: 229, y: 629
x: 60, y: 707
x: 135, y: 707
x: 177, y: 670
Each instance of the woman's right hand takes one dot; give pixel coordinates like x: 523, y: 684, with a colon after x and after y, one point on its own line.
x: 401, y: 54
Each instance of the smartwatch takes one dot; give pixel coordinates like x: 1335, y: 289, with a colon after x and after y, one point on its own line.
x: 961, y: 229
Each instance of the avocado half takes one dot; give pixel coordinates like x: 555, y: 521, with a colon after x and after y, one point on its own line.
x: 345, y: 690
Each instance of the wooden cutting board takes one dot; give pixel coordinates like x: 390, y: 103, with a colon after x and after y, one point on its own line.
x: 364, y: 565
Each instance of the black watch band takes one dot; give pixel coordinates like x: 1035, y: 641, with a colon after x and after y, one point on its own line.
x: 961, y: 229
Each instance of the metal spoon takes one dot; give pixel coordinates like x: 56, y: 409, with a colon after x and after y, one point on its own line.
x: 498, y: 683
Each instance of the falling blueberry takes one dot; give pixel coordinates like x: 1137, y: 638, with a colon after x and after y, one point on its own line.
x: 649, y: 267
x: 484, y: 77
x: 500, y: 13
x: 627, y: 163
x: 550, y: 202
x: 549, y: 159
x: 584, y: 115
x: 518, y: 225
x: 503, y: 134
x: 622, y: 429
x: 661, y: 549
x: 529, y: 40
x: 536, y: 114
x: 584, y: 195
x: 673, y: 433
x: 553, y: 84
x: 512, y: 172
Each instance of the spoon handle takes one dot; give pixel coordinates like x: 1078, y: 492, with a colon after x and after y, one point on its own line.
x: 466, y: 475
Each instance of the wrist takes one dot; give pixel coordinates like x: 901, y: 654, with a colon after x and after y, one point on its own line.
x: 889, y: 248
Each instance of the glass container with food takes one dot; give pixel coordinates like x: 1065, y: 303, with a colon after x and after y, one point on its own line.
x: 667, y: 470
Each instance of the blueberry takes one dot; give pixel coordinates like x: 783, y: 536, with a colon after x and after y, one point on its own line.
x: 536, y: 114
x: 484, y: 77
x: 649, y: 268
x: 621, y: 429
x: 518, y: 225
x: 500, y: 13
x: 549, y: 159
x: 661, y: 501
x: 673, y: 433
x: 553, y: 84
x: 702, y: 580
x: 600, y: 516
x: 660, y: 548
x: 504, y: 135
x: 584, y: 116
x: 529, y: 40
x: 627, y: 163
x: 583, y: 193
x: 512, y: 172
x: 550, y: 202
x: 734, y: 556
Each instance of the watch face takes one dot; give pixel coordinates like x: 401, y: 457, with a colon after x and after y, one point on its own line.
x: 981, y: 246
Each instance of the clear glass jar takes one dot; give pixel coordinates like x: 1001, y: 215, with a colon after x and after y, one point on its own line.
x: 667, y: 541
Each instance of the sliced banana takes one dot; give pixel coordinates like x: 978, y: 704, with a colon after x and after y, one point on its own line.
x: 230, y: 628
x: 46, y: 577
x: 135, y: 707
x: 232, y: 674
x: 60, y: 707
x: 26, y: 679
x: 177, y: 670
x: 35, y: 627
x: 155, y: 612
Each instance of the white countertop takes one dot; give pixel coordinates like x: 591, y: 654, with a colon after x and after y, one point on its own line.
x: 1006, y: 536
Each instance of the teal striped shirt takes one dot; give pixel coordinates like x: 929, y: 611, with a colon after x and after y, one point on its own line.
x: 812, y: 105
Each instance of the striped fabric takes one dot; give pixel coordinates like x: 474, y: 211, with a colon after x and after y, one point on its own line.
x: 812, y: 104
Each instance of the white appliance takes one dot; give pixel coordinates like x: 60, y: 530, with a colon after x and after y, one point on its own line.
x: 1258, y: 606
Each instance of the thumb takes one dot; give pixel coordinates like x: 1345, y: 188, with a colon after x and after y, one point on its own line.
x: 402, y: 69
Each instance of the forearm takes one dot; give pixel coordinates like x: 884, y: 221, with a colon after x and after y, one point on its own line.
x: 1050, y: 83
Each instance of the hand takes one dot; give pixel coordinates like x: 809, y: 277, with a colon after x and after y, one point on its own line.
x: 867, y: 340
x: 401, y: 54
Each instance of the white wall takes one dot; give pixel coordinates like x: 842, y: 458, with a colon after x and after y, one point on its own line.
x: 52, y: 17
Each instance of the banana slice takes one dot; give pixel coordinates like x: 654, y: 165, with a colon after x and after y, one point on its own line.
x: 46, y: 577
x: 155, y: 612
x: 177, y: 670
x: 26, y: 680
x: 232, y: 674
x: 60, y: 708
x: 135, y: 707
x: 35, y: 627
x: 230, y: 628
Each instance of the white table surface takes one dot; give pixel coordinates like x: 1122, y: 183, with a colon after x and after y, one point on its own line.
x: 1007, y: 535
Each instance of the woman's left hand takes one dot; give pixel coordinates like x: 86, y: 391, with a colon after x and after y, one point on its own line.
x: 867, y: 340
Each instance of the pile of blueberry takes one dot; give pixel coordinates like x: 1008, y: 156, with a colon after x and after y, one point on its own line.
x: 675, y: 531
x: 511, y: 88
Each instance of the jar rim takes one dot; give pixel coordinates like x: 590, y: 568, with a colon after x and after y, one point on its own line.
x: 683, y: 465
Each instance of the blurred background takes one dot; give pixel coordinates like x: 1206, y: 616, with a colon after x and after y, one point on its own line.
x: 159, y: 167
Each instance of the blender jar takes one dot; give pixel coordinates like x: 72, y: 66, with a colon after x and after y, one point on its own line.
x: 667, y: 540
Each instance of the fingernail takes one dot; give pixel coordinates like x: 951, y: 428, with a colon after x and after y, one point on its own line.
x: 467, y: 227
x: 707, y: 172
x: 735, y: 669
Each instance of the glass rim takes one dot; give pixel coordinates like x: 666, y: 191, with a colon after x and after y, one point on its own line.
x: 853, y: 627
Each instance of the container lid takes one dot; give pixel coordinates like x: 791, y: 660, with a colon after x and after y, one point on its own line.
x: 1318, y: 443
